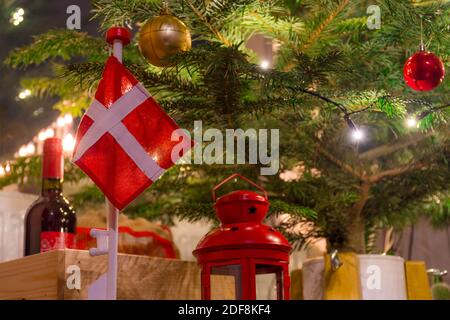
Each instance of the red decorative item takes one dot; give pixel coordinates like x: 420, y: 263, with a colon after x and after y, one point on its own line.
x: 118, y: 33
x: 423, y: 71
x: 124, y: 141
x: 243, y: 249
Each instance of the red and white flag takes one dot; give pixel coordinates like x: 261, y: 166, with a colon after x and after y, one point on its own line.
x: 124, y: 141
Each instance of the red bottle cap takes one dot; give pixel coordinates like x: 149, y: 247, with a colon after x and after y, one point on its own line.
x: 53, y: 161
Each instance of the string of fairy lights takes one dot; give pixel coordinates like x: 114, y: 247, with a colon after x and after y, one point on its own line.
x: 17, y: 16
x: 61, y: 128
x: 412, y: 121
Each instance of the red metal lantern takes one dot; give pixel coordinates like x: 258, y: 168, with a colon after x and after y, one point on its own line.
x: 243, y: 250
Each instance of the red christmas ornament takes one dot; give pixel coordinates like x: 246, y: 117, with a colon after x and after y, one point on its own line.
x: 423, y: 71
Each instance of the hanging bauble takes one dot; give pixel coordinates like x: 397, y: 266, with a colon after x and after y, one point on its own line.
x: 423, y: 71
x: 163, y: 36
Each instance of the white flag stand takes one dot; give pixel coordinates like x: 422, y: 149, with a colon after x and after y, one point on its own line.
x: 105, y: 287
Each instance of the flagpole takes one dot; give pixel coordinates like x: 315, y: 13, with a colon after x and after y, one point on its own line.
x: 117, y: 37
x: 113, y: 229
x: 117, y: 49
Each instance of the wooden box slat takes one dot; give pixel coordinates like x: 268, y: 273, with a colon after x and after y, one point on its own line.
x: 43, y: 276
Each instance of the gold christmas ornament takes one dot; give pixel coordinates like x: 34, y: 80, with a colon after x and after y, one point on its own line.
x: 163, y: 36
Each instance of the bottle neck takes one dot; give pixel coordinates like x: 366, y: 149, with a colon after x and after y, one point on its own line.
x: 52, y: 168
x: 51, y: 187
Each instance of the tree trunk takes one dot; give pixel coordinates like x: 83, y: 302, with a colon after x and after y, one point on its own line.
x: 356, y: 229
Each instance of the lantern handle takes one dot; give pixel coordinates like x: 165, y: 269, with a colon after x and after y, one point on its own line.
x: 234, y: 175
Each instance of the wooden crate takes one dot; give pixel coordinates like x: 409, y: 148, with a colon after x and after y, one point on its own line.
x: 44, y: 276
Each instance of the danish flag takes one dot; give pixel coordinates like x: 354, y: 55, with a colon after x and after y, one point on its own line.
x: 124, y: 141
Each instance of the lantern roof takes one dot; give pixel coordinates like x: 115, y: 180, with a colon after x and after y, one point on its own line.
x: 242, y: 233
x: 241, y: 195
x: 241, y: 206
x: 243, y: 236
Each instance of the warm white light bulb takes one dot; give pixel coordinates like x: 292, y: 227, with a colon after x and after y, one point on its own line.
x: 60, y: 122
x: 23, y: 151
x: 264, y: 64
x: 68, y: 143
x: 2, y: 171
x: 411, y: 122
x: 24, y: 94
x: 42, y: 135
x: 8, y: 168
x: 20, y: 12
x: 49, y: 133
x: 68, y: 119
x: 357, y: 135
x: 30, y: 148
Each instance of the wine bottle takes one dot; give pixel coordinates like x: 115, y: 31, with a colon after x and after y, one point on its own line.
x: 50, y: 222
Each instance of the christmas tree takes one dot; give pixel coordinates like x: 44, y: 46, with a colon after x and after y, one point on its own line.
x: 349, y: 161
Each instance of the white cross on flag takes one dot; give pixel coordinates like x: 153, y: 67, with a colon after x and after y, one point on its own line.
x: 124, y: 141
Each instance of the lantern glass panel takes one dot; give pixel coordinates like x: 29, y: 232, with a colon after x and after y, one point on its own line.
x: 223, y: 278
x: 269, y: 282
